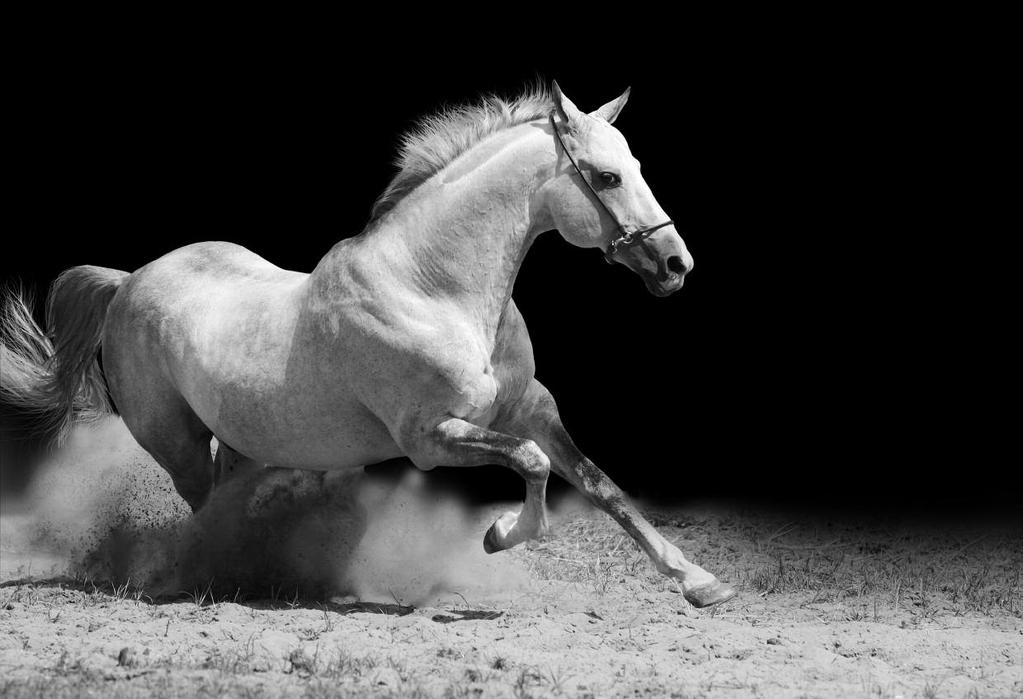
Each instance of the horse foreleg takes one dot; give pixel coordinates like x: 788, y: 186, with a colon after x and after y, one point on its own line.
x: 455, y: 442
x: 536, y: 417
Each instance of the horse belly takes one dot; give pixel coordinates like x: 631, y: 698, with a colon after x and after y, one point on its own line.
x: 326, y: 435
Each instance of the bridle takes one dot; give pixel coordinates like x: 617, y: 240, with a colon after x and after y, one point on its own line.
x: 626, y: 238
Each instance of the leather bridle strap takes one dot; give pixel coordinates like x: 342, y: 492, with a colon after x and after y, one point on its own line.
x: 625, y: 238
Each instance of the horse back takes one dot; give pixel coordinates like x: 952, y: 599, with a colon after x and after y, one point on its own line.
x: 207, y: 315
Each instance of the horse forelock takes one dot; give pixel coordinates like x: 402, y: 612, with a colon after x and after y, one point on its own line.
x: 440, y: 138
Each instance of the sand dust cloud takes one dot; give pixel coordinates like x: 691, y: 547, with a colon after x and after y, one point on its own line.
x: 101, y: 509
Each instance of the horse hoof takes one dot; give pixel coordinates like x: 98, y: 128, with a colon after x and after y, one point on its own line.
x: 712, y: 593
x: 490, y: 544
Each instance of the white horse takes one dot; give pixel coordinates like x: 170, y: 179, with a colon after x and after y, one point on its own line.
x: 404, y: 341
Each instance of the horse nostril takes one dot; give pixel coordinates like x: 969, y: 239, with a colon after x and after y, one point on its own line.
x: 676, y: 265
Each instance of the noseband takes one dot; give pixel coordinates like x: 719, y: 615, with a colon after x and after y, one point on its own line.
x: 625, y: 238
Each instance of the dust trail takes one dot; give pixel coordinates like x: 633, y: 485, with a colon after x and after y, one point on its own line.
x: 103, y: 508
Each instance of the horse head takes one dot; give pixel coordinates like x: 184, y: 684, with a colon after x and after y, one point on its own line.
x: 599, y: 199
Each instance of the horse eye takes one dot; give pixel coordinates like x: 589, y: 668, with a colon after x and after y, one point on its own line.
x: 610, y: 179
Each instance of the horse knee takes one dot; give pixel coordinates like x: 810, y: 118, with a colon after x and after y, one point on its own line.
x: 535, y: 463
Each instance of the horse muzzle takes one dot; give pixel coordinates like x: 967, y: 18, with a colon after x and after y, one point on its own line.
x: 664, y: 288
x: 669, y: 276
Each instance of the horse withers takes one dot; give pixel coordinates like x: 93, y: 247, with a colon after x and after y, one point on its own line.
x: 403, y: 341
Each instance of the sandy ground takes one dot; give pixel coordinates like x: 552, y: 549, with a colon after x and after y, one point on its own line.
x: 828, y: 605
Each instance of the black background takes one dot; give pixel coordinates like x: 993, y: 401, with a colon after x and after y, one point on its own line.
x: 843, y: 338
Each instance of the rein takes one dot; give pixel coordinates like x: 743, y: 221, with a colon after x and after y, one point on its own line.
x: 625, y: 238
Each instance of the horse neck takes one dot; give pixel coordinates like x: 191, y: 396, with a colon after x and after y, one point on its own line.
x: 462, y: 235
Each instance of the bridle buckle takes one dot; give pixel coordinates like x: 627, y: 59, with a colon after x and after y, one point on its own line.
x: 631, y: 238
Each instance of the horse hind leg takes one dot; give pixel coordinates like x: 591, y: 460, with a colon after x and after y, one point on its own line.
x: 229, y: 464
x: 165, y: 426
x: 186, y: 457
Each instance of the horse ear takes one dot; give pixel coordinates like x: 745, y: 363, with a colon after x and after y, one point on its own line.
x: 610, y: 111
x: 566, y: 110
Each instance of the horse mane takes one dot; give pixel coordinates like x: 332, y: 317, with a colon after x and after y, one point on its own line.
x: 436, y: 140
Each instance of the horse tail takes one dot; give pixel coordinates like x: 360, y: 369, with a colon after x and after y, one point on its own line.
x: 51, y: 381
